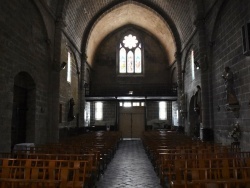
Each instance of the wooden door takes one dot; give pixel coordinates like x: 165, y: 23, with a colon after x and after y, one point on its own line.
x: 125, y: 125
x: 137, y: 125
x: 132, y: 122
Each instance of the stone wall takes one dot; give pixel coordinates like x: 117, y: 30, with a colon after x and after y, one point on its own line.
x: 154, y: 80
x: 24, y: 48
x: 227, y: 51
x: 191, y: 80
x: 223, y: 47
x: 69, y: 90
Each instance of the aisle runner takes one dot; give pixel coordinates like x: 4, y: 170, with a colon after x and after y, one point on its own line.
x: 130, y: 168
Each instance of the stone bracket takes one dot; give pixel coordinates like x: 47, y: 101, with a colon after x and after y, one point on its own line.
x: 183, y: 113
x: 233, y: 108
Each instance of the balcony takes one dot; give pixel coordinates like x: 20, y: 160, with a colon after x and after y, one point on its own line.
x: 150, y: 91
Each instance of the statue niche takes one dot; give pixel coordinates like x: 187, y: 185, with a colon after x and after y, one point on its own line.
x: 232, y: 101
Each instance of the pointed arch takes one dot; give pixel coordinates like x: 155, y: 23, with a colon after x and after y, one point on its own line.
x: 170, y: 31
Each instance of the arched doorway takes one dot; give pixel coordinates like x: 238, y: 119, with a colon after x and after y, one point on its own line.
x: 23, y: 115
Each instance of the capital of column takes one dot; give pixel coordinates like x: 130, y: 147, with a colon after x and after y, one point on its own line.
x: 56, y: 66
x: 199, y: 23
x: 177, y: 56
x: 60, y: 23
x: 84, y: 57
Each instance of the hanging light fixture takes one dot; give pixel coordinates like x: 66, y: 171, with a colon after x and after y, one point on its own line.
x: 63, y: 65
x: 197, y: 64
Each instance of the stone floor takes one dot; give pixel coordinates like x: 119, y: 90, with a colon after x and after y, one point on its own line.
x: 130, y: 168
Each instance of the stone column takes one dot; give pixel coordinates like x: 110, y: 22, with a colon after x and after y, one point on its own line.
x: 54, y: 85
x: 82, y: 91
x: 180, y: 88
x: 6, y: 95
x: 206, y: 131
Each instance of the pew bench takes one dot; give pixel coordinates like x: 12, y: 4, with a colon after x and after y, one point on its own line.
x: 231, y: 177
x: 49, y: 173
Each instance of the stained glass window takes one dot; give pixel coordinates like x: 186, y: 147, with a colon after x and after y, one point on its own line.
x: 130, y: 41
x: 137, y: 60
x: 123, y: 65
x: 130, y: 62
x: 130, y: 55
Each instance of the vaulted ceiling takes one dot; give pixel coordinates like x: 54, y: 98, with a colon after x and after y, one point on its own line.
x: 89, y: 21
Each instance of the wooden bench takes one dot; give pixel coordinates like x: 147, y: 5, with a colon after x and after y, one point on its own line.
x: 231, y: 177
x: 42, y: 173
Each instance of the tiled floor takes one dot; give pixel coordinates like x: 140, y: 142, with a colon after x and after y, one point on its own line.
x: 130, y: 168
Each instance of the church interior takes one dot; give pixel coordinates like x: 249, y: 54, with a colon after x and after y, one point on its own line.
x: 161, y: 73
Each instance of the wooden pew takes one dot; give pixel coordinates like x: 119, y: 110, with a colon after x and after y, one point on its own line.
x: 42, y: 173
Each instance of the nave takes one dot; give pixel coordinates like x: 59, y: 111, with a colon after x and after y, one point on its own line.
x: 130, y: 168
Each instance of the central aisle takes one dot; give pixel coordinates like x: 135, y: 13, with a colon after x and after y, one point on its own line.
x: 130, y: 168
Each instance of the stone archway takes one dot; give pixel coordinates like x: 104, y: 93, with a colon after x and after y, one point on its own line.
x: 23, y: 115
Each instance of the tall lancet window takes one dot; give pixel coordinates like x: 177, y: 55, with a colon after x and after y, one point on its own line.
x: 69, y: 68
x: 130, y: 55
x: 192, y: 64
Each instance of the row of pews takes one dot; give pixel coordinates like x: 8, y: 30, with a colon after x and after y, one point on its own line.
x: 76, y: 162
x: 181, y: 162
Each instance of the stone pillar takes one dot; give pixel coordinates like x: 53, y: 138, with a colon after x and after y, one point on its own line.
x: 82, y: 91
x: 206, y: 131
x: 6, y: 95
x: 180, y: 87
x: 54, y: 85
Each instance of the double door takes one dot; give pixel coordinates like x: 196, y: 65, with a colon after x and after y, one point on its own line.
x: 132, y: 122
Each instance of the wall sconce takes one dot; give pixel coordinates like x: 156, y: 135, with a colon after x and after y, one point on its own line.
x: 203, y: 62
x: 197, y: 64
x: 63, y: 65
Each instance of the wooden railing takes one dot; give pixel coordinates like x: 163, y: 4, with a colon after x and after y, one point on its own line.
x: 139, y: 89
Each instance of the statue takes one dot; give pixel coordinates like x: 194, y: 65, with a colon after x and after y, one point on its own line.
x: 235, y: 133
x: 183, y: 104
x: 197, y: 100
x: 71, y: 110
x: 229, y: 82
x: 183, y: 101
x: 197, y: 109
